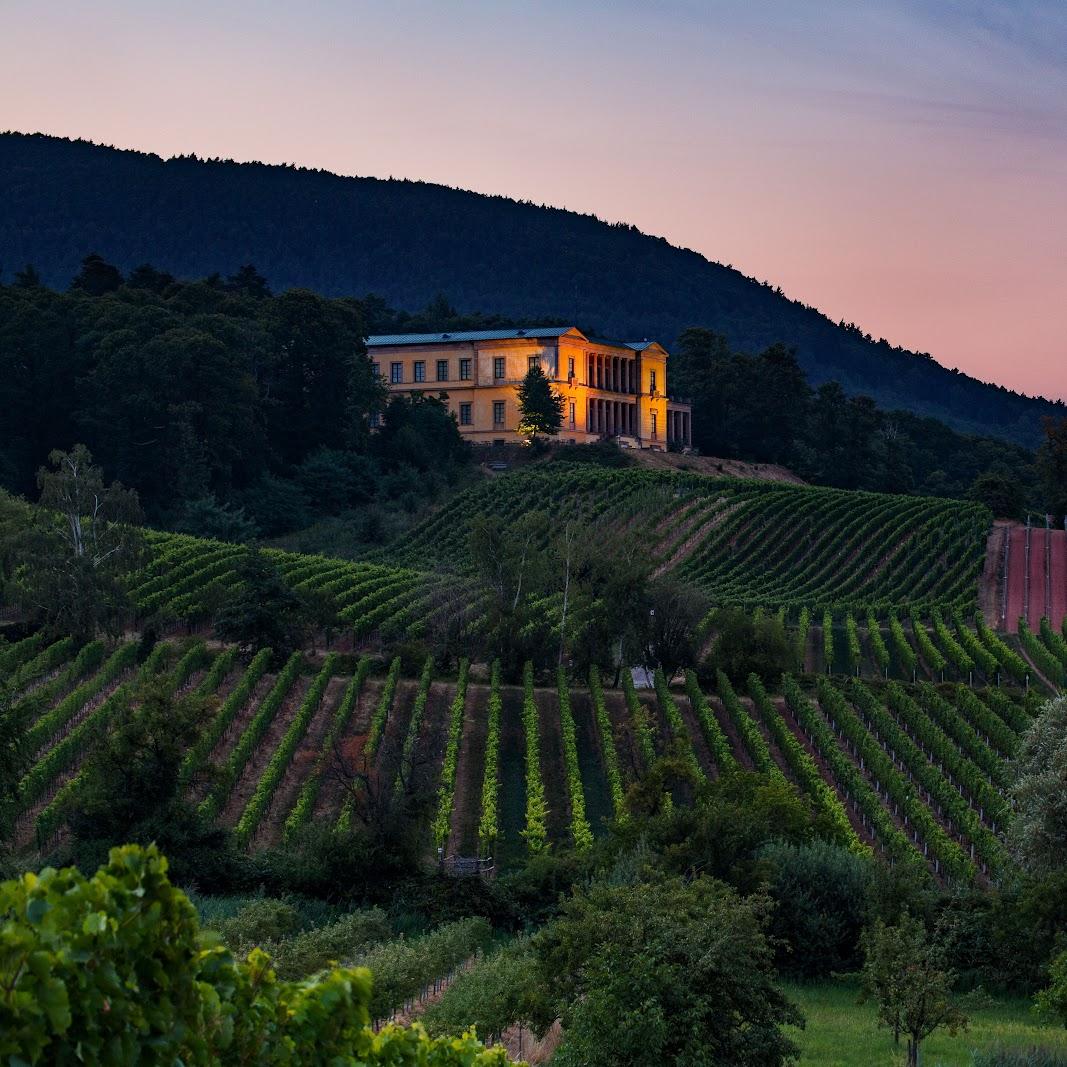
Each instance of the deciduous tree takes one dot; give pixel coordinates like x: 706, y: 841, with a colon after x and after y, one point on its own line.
x: 264, y: 612
x: 75, y: 554
x: 1039, y: 827
x: 671, y: 617
x: 1052, y: 465
x: 642, y: 974
x: 905, y: 975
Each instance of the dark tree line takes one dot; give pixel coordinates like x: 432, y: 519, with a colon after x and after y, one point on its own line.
x: 232, y: 411
x: 409, y: 240
x: 762, y: 407
x: 236, y: 412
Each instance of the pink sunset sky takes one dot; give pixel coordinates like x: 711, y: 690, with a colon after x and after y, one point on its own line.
x: 901, y: 165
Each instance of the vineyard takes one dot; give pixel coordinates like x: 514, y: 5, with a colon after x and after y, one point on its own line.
x: 915, y: 771
x: 759, y: 545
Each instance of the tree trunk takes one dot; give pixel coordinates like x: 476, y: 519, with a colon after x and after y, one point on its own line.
x: 913, y: 1052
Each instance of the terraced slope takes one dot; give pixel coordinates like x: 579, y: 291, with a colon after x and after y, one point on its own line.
x: 750, y: 543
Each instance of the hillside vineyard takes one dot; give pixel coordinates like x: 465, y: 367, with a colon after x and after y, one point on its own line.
x: 745, y: 543
x: 898, y: 726
x: 915, y: 771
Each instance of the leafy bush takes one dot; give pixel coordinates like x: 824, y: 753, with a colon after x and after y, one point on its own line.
x: 821, y: 892
x: 312, y: 950
x: 112, y: 969
x: 262, y: 919
x: 493, y: 995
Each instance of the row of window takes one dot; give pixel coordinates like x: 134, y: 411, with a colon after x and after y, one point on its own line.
x: 499, y: 412
x: 396, y: 370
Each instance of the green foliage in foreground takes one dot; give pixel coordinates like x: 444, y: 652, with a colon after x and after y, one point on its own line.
x: 113, y: 969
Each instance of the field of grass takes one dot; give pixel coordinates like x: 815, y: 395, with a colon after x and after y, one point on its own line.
x: 842, y: 1033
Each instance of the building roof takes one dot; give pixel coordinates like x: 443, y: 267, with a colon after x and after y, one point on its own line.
x: 633, y: 346
x: 466, y: 335
x: 536, y: 332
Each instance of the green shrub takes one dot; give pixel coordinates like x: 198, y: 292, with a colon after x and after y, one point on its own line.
x: 821, y: 894
x: 312, y: 950
x: 260, y: 920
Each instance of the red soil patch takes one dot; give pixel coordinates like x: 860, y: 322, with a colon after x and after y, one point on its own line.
x: 1057, y: 609
x: 1016, y: 580
x: 1035, y: 608
x: 1033, y: 591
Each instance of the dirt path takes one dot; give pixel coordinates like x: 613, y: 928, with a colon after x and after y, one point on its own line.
x: 249, y: 777
x: 301, y: 766
x: 696, y: 736
x: 713, y: 465
x: 737, y: 746
x: 991, y: 583
x: 552, y: 772
x: 470, y: 767
x: 623, y: 732
x: 1037, y: 673
x: 524, y: 1047
x: 350, y: 749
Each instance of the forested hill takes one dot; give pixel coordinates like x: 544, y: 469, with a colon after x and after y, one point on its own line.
x: 409, y: 241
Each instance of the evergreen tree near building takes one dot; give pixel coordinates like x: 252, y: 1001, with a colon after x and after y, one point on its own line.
x: 540, y: 407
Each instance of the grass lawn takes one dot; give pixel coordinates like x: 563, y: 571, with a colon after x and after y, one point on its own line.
x: 842, y: 1033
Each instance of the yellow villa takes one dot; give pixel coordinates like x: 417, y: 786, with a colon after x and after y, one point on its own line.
x: 611, y: 389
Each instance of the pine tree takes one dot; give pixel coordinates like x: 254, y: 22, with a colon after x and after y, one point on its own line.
x: 540, y: 408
